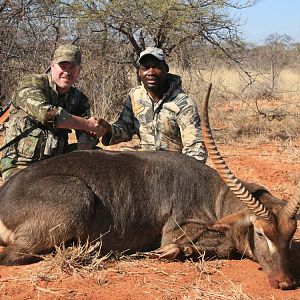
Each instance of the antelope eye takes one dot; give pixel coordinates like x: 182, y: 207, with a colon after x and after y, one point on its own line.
x: 259, y: 234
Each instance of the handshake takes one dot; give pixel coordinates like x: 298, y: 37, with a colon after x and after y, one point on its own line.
x: 97, y: 127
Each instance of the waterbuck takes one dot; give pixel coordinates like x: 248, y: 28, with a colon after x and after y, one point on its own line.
x: 139, y: 201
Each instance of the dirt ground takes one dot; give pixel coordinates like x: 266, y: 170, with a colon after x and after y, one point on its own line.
x: 276, y: 165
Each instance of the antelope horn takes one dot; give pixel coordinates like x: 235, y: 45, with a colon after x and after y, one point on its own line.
x: 293, y: 205
x: 225, y: 173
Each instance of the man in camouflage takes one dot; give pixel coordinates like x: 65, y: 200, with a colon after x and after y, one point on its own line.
x: 158, y: 111
x: 47, y: 106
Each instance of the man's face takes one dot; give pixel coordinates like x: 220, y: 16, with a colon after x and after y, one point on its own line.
x: 153, y: 73
x: 64, y: 74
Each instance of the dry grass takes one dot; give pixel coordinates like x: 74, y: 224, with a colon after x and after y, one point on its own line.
x: 239, y: 113
x: 238, y: 110
x: 234, y: 117
x: 207, y: 289
x: 234, y: 83
x: 82, y: 258
x: 85, y: 261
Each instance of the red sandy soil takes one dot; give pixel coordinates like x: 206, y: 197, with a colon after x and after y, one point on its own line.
x: 276, y: 165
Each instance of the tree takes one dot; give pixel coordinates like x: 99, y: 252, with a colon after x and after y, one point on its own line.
x: 270, y: 59
x: 27, y: 29
x: 277, y: 55
x: 165, y: 24
x: 113, y: 34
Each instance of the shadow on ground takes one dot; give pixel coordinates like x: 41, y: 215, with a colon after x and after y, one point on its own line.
x: 295, y: 260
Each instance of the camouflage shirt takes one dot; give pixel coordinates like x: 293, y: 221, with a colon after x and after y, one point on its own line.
x: 172, y: 124
x: 36, y: 102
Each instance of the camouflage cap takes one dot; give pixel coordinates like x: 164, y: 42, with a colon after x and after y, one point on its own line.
x: 69, y: 53
x: 156, y: 52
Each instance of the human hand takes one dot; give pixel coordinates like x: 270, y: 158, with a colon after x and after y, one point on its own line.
x: 105, y: 124
x: 97, y: 128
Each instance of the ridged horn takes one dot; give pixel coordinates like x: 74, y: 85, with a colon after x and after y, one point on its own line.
x: 225, y: 173
x: 293, y: 205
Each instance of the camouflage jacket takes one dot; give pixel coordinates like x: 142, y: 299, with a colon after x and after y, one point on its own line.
x: 36, y: 101
x: 171, y: 124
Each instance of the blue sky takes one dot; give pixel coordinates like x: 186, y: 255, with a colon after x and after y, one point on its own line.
x: 271, y: 16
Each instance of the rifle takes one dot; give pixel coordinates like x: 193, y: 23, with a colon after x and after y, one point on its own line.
x: 4, y: 114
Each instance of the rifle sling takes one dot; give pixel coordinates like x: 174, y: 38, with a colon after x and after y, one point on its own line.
x: 19, y: 137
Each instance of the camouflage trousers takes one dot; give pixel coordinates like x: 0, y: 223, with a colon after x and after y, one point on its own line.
x: 15, y: 169
x: 9, y: 168
x: 11, y: 172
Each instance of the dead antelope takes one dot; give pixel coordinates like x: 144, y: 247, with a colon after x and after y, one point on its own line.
x: 266, y: 227
x: 163, y: 201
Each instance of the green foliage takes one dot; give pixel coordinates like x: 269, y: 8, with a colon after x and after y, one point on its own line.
x: 112, y: 35
x: 165, y: 24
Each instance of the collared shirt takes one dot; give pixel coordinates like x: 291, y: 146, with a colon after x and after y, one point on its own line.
x: 173, y: 123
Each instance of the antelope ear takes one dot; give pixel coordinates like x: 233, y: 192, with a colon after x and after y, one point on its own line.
x: 227, y: 222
